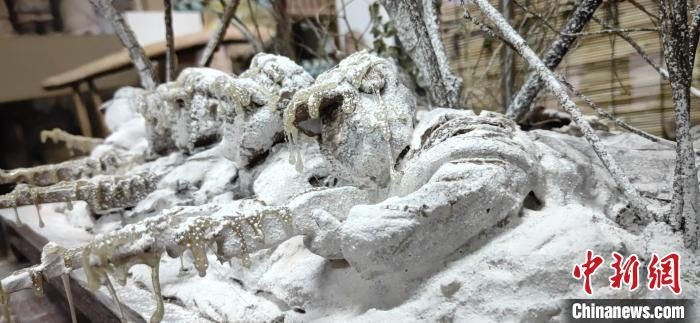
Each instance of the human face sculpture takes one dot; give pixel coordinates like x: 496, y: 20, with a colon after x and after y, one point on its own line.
x: 360, y: 113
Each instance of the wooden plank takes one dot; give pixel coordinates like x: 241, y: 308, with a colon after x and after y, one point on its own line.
x: 90, y: 307
x: 81, y: 114
x: 96, y: 104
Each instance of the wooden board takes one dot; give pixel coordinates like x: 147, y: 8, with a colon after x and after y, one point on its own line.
x: 120, y: 60
x: 90, y: 307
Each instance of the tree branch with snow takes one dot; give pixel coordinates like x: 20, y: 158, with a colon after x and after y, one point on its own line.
x: 138, y: 56
x: 550, y: 81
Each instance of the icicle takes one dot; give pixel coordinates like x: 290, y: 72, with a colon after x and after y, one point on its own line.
x: 38, y: 214
x: 292, y: 158
x: 254, y: 222
x: 294, y: 149
x: 115, y: 298
x: 91, y: 273
x: 285, y: 217
x: 155, y: 280
x: 37, y: 281
x: 193, y: 239
x: 245, y: 259
x: 65, y: 277
x: 5, y: 303
x: 299, y: 165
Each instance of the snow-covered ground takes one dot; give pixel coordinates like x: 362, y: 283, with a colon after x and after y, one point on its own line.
x: 517, y: 271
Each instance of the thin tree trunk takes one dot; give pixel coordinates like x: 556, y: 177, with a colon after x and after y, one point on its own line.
x: 170, y: 56
x: 283, y: 35
x: 418, y: 30
x: 218, y: 35
x: 138, y: 57
x: 675, y: 38
x: 506, y: 63
x: 550, y: 80
x: 533, y: 84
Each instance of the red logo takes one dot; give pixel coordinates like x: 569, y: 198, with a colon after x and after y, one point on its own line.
x: 661, y: 272
x: 665, y: 272
x: 587, y: 269
x: 626, y: 272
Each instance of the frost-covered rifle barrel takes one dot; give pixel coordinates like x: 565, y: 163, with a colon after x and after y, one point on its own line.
x: 193, y: 228
x: 69, y: 170
x: 101, y: 194
x: 72, y: 142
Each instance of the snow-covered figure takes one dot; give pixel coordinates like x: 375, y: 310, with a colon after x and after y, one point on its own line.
x: 360, y: 177
x: 464, y: 174
x: 455, y: 176
x: 361, y: 115
x: 205, y: 105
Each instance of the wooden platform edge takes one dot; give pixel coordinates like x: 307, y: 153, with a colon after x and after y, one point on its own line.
x: 89, y: 306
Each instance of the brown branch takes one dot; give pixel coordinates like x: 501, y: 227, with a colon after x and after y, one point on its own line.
x: 218, y: 34
x: 254, y: 19
x: 257, y: 46
x: 559, y: 48
x: 644, y: 10
x: 610, y: 31
x: 283, y: 33
x: 347, y: 25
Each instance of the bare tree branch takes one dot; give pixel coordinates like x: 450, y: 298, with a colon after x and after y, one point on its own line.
x: 532, y: 86
x: 600, y: 111
x: 611, y: 31
x: 254, y: 19
x: 138, y: 57
x: 654, y: 18
x: 283, y: 34
x: 219, y: 33
x: 170, y: 56
x: 550, y: 80
x: 257, y: 46
x: 417, y: 24
x: 355, y: 42
x: 662, y: 71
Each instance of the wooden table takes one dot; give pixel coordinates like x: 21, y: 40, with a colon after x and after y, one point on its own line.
x: 119, y: 61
